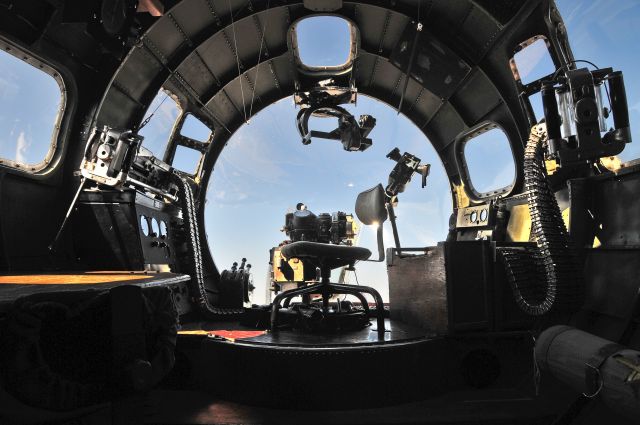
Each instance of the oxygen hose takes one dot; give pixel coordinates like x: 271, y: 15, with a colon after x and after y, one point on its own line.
x: 192, y: 262
x: 545, y: 278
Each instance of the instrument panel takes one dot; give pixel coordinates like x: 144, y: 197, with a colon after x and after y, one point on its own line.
x: 477, y: 216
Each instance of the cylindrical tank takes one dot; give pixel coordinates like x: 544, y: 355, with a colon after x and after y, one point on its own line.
x: 593, y: 366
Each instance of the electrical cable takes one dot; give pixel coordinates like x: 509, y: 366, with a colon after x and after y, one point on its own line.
x: 146, y: 120
x: 255, y: 83
x: 237, y: 55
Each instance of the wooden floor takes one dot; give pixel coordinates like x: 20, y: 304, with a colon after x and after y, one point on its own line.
x: 86, y: 278
x: 15, y: 286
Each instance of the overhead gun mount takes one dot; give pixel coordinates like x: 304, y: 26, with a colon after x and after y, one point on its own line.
x: 321, y: 99
x: 351, y: 133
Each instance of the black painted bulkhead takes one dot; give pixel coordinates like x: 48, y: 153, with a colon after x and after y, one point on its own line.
x: 113, y: 83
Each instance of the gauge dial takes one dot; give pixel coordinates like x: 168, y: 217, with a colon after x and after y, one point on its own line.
x: 163, y: 229
x: 155, y: 228
x: 144, y: 225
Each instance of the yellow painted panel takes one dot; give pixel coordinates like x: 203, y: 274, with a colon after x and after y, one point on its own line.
x: 519, y: 226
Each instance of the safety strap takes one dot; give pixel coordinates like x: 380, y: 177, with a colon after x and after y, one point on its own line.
x: 592, y: 376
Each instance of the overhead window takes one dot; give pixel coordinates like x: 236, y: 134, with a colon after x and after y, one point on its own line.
x: 33, y: 102
x: 324, y: 42
x: 160, y: 118
x: 532, y: 60
x: 195, y: 129
x: 489, y: 162
x: 187, y: 160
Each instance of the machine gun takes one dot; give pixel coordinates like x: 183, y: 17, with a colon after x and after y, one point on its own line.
x: 406, y: 165
x: 109, y: 159
x: 401, y: 174
x: 576, y: 116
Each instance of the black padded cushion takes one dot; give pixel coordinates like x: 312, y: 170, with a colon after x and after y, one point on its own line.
x: 324, y: 254
x: 370, y: 206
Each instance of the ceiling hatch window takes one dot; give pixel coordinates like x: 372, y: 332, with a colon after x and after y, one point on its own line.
x: 33, y: 102
x: 324, y: 42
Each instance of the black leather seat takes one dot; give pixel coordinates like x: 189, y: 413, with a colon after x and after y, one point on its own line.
x: 370, y: 208
x: 323, y: 254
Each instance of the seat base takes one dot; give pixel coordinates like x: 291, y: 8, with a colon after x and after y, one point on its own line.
x: 326, y: 289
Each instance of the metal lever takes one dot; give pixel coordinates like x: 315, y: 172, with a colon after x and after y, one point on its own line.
x: 424, y: 171
x: 394, y: 227
x: 52, y: 245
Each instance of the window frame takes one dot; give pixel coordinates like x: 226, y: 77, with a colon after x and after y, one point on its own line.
x: 198, y: 168
x: 177, y: 139
x: 463, y: 169
x: 188, y: 114
x: 60, y: 125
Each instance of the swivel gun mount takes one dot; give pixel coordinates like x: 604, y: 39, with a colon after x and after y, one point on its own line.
x: 351, y: 133
x: 109, y: 158
x: 111, y: 155
x: 576, y: 115
x: 406, y: 165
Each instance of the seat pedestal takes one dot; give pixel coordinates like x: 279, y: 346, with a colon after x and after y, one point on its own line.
x: 326, y: 289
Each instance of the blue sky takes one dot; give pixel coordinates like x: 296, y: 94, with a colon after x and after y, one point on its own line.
x: 265, y: 170
x: 606, y: 33
x: 332, y: 50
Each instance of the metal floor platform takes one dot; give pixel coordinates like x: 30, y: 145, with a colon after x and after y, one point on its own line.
x: 287, y: 367
x: 348, y: 370
x: 396, y: 332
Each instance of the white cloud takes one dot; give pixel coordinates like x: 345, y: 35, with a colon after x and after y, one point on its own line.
x: 252, y: 156
x: 22, y: 145
x: 8, y: 89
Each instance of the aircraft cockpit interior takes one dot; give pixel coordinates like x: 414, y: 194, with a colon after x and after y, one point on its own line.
x: 317, y: 211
